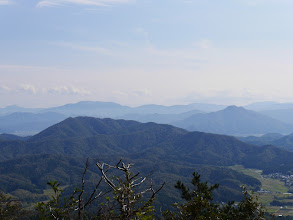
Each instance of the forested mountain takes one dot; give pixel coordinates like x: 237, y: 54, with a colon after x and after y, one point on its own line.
x: 261, y: 140
x: 60, y: 151
x: 234, y: 121
x: 85, y: 136
x: 283, y: 141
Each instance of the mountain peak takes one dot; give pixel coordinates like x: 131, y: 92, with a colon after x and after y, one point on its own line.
x: 234, y: 108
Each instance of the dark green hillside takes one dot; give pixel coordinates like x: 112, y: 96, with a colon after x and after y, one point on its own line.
x: 268, y: 157
x: 85, y: 136
x: 29, y: 174
x: 261, y: 140
x: 77, y: 127
x: 219, y: 150
x: 204, y: 148
x: 32, y: 172
x: 172, y: 153
x: 285, y: 142
x: 12, y: 149
x: 88, y: 127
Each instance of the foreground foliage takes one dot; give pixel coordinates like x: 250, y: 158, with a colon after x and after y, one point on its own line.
x: 9, y: 208
x: 199, y: 204
x: 127, y: 199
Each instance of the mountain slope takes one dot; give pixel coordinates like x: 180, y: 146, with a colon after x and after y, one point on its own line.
x: 284, y: 115
x: 234, y: 121
x: 159, y: 118
x: 85, y: 136
x: 11, y: 137
x: 283, y: 141
x: 29, y: 174
x: 88, y: 127
x: 171, y: 152
x: 261, y: 140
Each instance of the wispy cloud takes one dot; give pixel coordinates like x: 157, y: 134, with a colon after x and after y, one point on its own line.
x: 48, y: 3
x: 67, y: 90
x: 6, y: 2
x: 142, y: 92
x: 176, y: 54
x: 4, y: 88
x: 203, y: 44
x: 141, y: 31
x: 28, y: 88
x: 31, y: 89
x: 135, y: 93
x: 87, y: 48
x: 258, y: 2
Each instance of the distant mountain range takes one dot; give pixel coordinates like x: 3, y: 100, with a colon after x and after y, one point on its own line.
x: 284, y: 141
x: 234, y: 121
x: 160, y: 118
x: 26, y: 123
x: 111, y: 109
x: 211, y: 118
x: 14, y: 108
x: 268, y: 106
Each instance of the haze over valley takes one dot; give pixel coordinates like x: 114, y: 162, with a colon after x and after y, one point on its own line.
x: 211, y: 118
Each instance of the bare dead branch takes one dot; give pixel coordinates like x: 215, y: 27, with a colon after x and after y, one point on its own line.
x: 108, y: 181
x: 134, y: 176
x: 80, y: 206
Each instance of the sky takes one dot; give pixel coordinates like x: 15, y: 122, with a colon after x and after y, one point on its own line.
x: 136, y: 52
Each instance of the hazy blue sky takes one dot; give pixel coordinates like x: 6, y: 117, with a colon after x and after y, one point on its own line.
x: 145, y: 51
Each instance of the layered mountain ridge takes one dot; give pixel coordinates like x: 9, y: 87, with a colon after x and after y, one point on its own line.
x: 218, y: 119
